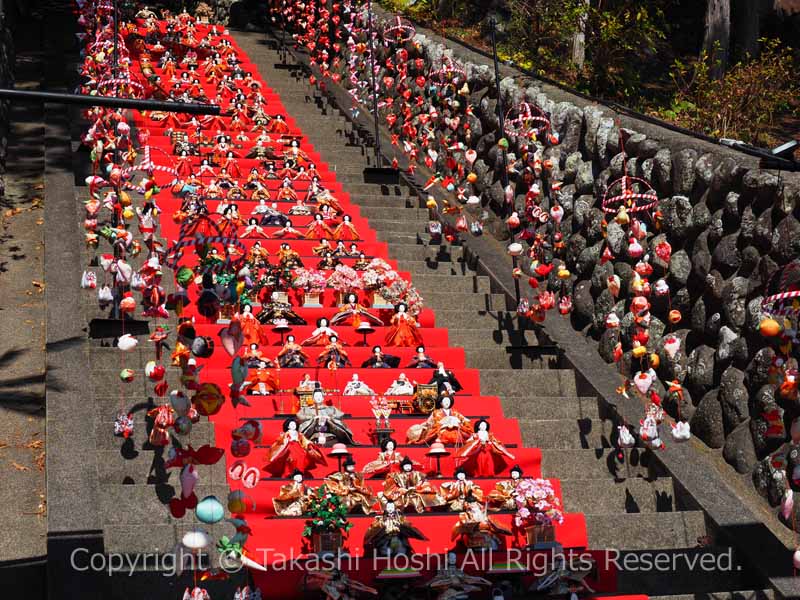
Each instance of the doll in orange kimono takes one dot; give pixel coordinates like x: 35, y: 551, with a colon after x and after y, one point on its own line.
x: 263, y: 381
x: 483, y: 455
x: 388, y: 461
x: 409, y: 489
x: 404, y: 330
x: 292, y: 450
x: 346, y: 231
x: 455, y: 493
x: 350, y: 486
x: 317, y: 229
x: 251, y: 328
x: 352, y: 313
x: 445, y: 424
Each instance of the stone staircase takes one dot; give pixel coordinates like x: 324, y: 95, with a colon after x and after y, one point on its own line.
x: 629, y: 503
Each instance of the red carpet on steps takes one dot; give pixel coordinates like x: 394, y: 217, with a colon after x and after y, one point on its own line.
x: 273, y: 539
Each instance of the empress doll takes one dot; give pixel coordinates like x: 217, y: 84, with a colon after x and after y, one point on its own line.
x: 292, y: 450
x: 322, y: 335
x: 404, y: 330
x: 483, y: 455
x: 353, y: 313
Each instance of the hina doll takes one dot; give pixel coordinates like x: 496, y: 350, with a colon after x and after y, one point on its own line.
x: 475, y: 521
x: 288, y: 258
x: 400, y: 387
x: 286, y: 193
x: 409, y: 489
x: 254, y: 230
x: 184, y: 165
x: 455, y: 493
x: 278, y: 125
x: 295, y: 155
x: 350, y: 486
x: 445, y: 380
x: 483, y: 455
x: 293, y: 498
x: 300, y: 208
x: 323, y: 423
x: 346, y: 230
x: 317, y: 229
x: 322, y: 335
x: 254, y: 179
x: 334, y: 354
x: 353, y: 313
x: 292, y: 450
x: 329, y: 262
x: 287, y: 231
x: 251, y: 328
x: 388, y: 461
x: 292, y: 355
x: 252, y: 356
x: 444, y: 424
x: 502, y: 496
x: 275, y: 311
x: 389, y: 534
x: 356, y: 387
x: 421, y: 360
x: 361, y: 263
x: 324, y: 246
x: 404, y: 330
x: 379, y: 360
x: 262, y: 381
x: 258, y: 256
x: 231, y: 221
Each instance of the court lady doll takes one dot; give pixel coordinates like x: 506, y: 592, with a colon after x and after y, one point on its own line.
x: 292, y: 450
x: 483, y: 455
x: 404, y: 330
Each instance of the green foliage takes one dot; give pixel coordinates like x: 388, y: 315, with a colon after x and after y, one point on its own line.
x: 326, y: 512
x: 743, y: 103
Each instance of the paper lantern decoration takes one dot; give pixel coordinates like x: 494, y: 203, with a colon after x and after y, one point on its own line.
x: 210, y: 510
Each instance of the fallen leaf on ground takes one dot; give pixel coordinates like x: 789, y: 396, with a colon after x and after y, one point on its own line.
x: 40, y: 461
x: 39, y: 285
x: 18, y: 466
x: 34, y: 445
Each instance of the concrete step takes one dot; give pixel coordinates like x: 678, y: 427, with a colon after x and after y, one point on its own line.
x: 641, y: 531
x: 373, y: 189
x: 396, y: 226
x: 146, y: 538
x: 551, y: 407
x: 566, y: 433
x: 605, y: 496
x: 472, y: 339
x: 714, y: 595
x: 413, y: 249
x: 201, y: 433
x: 456, y: 283
x: 553, y: 382
x: 599, y: 463
x: 381, y: 201
x: 471, y: 319
x: 438, y: 300
x: 497, y: 357
x: 435, y: 267
x: 392, y: 212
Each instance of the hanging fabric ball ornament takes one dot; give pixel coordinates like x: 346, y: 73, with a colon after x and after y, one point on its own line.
x: 127, y: 342
x: 210, y: 510
x: 238, y: 502
x: 769, y: 327
x: 240, y: 448
x: 675, y: 316
x: 183, y: 425
x: 154, y: 371
x: 128, y: 303
x: 126, y: 375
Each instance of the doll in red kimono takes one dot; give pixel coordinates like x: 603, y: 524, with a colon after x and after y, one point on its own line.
x: 404, y: 330
x: 483, y: 455
x: 292, y: 450
x: 346, y: 231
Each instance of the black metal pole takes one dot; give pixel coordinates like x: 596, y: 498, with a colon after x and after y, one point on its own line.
x: 192, y: 108
x: 374, y: 90
x: 516, y: 279
x: 501, y: 117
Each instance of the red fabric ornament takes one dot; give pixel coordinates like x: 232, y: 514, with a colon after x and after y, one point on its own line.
x: 664, y: 251
x: 606, y: 256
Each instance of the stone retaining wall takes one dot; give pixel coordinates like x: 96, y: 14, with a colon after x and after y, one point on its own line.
x: 731, y: 227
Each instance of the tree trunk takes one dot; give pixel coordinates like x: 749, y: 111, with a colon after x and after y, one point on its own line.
x: 717, y: 38
x: 748, y: 27
x: 579, y: 39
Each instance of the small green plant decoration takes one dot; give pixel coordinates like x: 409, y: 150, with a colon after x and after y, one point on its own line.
x: 327, y: 514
